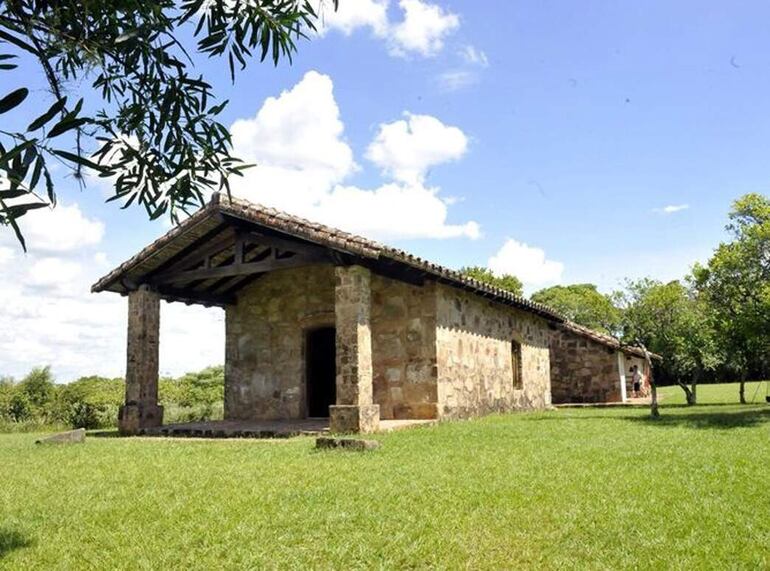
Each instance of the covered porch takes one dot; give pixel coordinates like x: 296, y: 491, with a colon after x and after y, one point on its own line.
x: 310, y: 371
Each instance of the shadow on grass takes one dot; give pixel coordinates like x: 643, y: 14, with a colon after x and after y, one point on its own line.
x: 715, y: 420
x: 11, y: 540
x: 699, y: 416
x: 112, y: 433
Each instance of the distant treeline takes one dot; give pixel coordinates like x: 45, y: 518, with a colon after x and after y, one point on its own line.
x: 711, y: 325
x: 36, y: 401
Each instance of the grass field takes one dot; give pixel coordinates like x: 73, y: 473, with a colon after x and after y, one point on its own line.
x: 590, y: 488
x: 724, y: 393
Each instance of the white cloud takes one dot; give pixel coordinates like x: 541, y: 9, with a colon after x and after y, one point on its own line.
x: 671, y: 208
x: 474, y: 56
x: 60, y: 229
x: 421, y: 30
x: 355, y: 14
x: 407, y: 148
x: 6, y: 255
x: 52, y: 272
x: 393, y: 211
x: 527, y: 263
x: 467, y: 73
x: 50, y: 316
x: 296, y: 141
x: 303, y: 160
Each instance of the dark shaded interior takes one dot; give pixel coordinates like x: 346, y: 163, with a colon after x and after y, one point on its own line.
x: 321, y: 371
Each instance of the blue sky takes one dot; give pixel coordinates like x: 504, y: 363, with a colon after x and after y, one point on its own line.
x: 543, y: 138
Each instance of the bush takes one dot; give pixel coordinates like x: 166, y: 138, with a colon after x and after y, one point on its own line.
x: 36, y: 403
x: 84, y: 415
x: 90, y: 402
x: 20, y: 408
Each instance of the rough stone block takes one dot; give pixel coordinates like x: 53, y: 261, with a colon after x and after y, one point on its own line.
x: 132, y: 418
x: 327, y: 443
x: 69, y: 437
x: 422, y: 411
x: 354, y: 418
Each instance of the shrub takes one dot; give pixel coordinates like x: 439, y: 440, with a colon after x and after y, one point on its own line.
x: 20, y: 407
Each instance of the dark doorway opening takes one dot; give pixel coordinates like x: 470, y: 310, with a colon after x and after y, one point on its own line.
x: 321, y: 371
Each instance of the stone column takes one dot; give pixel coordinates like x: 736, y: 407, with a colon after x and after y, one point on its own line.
x: 354, y: 411
x: 141, y: 409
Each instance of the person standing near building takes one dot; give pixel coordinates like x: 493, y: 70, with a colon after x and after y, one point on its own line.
x: 636, y: 377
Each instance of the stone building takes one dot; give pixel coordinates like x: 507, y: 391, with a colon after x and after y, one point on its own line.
x: 321, y: 323
x: 590, y: 367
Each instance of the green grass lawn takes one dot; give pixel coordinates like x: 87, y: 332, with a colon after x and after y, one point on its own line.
x: 723, y: 393
x: 589, y: 488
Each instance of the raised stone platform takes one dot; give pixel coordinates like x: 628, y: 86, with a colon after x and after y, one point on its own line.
x: 263, y: 428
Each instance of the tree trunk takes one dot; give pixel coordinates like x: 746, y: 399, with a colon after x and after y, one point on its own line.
x: 742, y: 387
x: 692, y: 398
x: 688, y: 394
x: 654, y: 412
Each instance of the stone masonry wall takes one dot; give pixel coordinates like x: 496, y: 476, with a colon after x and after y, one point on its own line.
x: 404, y: 348
x: 473, y: 340
x: 265, y: 335
x: 264, y: 341
x: 583, y: 370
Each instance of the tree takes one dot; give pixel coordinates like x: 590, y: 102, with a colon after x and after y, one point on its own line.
x: 506, y: 281
x: 672, y: 320
x: 89, y: 402
x: 583, y: 304
x: 39, y: 388
x: 7, y: 390
x: 736, y: 284
x: 156, y: 136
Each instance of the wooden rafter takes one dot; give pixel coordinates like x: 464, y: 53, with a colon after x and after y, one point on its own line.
x: 238, y: 269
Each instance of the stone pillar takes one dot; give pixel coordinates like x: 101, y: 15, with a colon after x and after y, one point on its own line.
x: 141, y: 409
x: 354, y: 411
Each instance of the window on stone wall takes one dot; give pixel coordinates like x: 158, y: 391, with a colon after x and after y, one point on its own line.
x: 518, y: 381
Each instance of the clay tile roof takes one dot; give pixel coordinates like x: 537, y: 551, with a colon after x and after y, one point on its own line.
x: 327, y: 236
x: 605, y: 339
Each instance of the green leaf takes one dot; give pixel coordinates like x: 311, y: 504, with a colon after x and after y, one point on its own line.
x: 72, y: 157
x: 48, y: 115
x: 12, y: 193
x: 13, y: 99
x: 6, y: 158
x: 49, y: 187
x: 17, y: 42
x: 66, y: 125
x: 39, y: 162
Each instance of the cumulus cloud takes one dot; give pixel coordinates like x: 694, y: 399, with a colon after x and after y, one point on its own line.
x: 297, y: 141
x: 52, y: 272
x: 527, y: 263
x: 421, y: 30
x: 50, y: 316
x: 671, y: 208
x: 407, y: 148
x: 393, y: 211
x: 303, y: 160
x: 350, y: 16
x: 60, y: 229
